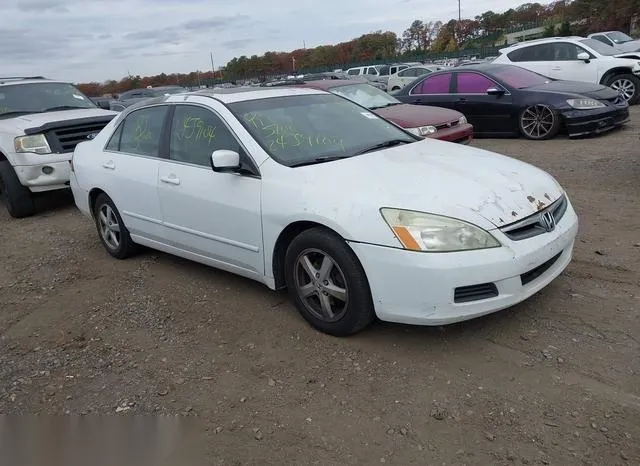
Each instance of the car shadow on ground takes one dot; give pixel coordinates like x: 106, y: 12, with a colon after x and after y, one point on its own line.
x: 53, y: 201
x: 380, y: 333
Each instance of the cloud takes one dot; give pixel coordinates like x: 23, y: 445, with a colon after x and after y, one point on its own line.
x: 43, y: 5
x: 83, y: 40
x: 236, y: 44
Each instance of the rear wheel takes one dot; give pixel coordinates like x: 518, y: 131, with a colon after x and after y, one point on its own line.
x: 113, y: 234
x: 627, y: 85
x: 395, y: 88
x: 327, y: 283
x: 18, y: 198
x: 539, y: 122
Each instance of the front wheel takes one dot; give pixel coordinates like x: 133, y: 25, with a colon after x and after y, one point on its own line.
x: 395, y: 88
x: 18, y: 198
x: 327, y: 283
x: 539, y: 122
x: 627, y: 85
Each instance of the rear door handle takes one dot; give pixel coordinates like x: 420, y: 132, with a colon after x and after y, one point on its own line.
x: 110, y: 165
x: 171, y: 179
x: 556, y: 68
x: 462, y: 100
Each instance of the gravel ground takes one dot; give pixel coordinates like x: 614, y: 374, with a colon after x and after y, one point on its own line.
x: 554, y: 380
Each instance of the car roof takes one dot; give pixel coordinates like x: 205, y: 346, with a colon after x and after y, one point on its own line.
x: 240, y: 94
x: 11, y: 80
x: 543, y: 40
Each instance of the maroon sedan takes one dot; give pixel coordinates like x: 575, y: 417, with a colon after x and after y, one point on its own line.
x: 432, y: 122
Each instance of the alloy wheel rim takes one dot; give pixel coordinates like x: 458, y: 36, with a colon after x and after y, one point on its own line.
x: 625, y: 87
x: 321, y: 285
x: 537, y: 121
x: 109, y: 227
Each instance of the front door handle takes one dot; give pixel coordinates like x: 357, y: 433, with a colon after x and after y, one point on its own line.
x: 110, y: 165
x: 462, y: 100
x: 556, y: 68
x: 171, y: 179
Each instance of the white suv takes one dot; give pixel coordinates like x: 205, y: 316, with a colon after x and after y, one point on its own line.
x: 578, y: 59
x: 41, y: 121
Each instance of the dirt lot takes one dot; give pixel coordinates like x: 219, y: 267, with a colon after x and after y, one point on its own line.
x: 555, y: 380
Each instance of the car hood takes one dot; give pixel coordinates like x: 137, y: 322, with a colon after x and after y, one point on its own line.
x: 632, y: 46
x: 629, y: 55
x: 478, y: 186
x: 595, y: 91
x: 413, y: 116
x: 38, y: 119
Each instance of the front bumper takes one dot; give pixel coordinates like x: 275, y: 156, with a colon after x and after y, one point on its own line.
x: 461, y: 133
x: 420, y: 288
x: 31, y: 170
x: 584, y: 122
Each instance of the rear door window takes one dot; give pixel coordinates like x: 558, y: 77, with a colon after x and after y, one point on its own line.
x: 142, y: 130
x: 439, y: 84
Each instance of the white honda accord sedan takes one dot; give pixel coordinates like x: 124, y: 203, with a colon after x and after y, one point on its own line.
x: 306, y: 190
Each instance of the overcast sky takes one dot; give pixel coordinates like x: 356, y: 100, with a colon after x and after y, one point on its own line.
x: 95, y: 40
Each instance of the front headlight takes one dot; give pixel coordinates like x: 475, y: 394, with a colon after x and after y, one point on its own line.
x: 35, y: 143
x: 585, y: 104
x: 462, y: 120
x: 423, y: 130
x: 419, y: 231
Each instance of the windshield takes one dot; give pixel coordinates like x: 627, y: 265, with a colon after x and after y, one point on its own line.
x: 365, y: 95
x: 619, y: 37
x: 602, y: 49
x: 39, y: 97
x: 383, y: 70
x: 303, y: 128
x: 519, y: 78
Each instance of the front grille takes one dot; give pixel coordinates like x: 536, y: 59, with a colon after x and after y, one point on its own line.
x: 532, y: 274
x: 466, y: 294
x: 65, y: 138
x: 533, y: 225
x: 447, y: 125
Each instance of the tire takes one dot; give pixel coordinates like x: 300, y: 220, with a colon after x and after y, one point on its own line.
x: 395, y: 88
x: 539, y: 122
x: 343, y: 272
x: 628, y: 83
x: 111, y: 229
x: 18, y: 198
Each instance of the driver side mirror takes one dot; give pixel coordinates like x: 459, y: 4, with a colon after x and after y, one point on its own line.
x: 225, y: 161
x: 584, y: 56
x: 495, y: 91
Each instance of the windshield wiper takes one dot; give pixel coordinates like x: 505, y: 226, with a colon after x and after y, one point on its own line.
x: 383, y: 145
x: 61, y: 107
x: 14, y: 113
x: 327, y: 158
x: 390, y: 104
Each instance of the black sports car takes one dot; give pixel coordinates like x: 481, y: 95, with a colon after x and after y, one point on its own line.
x: 506, y: 100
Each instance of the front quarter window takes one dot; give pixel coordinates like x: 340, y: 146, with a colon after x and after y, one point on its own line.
x: 302, y: 129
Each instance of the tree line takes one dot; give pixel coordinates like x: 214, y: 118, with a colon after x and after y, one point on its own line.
x: 419, y: 41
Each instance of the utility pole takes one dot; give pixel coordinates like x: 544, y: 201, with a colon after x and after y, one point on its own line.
x: 212, y: 68
x: 458, y: 28
x: 293, y: 62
